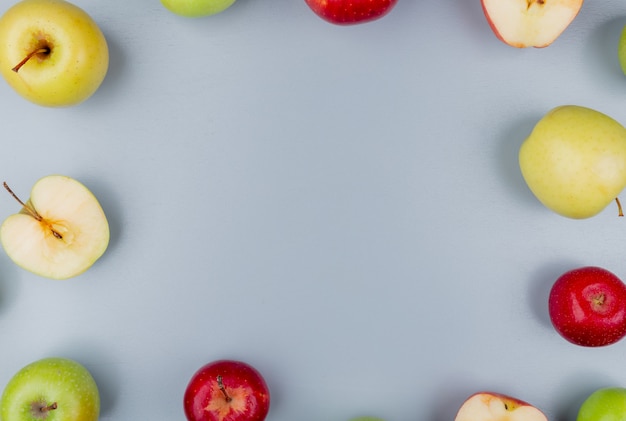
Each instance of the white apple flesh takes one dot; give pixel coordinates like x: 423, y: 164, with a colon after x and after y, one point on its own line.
x: 60, y: 232
x: 530, y: 23
x: 489, y: 406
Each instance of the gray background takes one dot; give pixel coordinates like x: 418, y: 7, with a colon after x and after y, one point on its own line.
x: 341, y: 207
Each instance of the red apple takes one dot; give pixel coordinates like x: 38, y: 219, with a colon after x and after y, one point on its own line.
x: 349, y: 12
x: 490, y: 406
x: 587, y: 306
x: 530, y: 23
x: 226, y: 390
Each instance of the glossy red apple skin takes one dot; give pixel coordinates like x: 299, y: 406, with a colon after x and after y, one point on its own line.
x: 350, y: 12
x: 248, y: 394
x: 587, y: 306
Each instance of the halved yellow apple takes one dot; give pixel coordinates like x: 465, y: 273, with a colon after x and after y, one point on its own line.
x: 60, y: 231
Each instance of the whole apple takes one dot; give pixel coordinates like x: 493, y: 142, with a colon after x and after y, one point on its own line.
x: 493, y: 406
x: 52, y: 388
x: 52, y: 52
x: 60, y: 232
x: 349, y: 12
x: 607, y: 404
x: 197, y: 8
x: 226, y: 390
x: 530, y: 23
x: 587, y: 306
x: 574, y: 161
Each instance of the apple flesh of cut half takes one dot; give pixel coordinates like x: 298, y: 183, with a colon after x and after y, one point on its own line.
x: 488, y: 406
x: 530, y: 23
x: 59, y: 232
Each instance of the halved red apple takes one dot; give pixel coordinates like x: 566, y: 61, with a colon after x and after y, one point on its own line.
x: 530, y: 23
x: 490, y: 406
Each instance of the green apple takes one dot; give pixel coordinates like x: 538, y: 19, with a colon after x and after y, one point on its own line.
x: 51, y: 389
x: 52, y: 52
x: 367, y: 419
x: 60, y: 231
x: 607, y: 404
x: 574, y: 161
x: 621, y: 50
x: 197, y: 8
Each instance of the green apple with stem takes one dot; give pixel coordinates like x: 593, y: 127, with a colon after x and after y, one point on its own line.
x: 59, y: 232
x: 52, y: 52
x: 606, y: 404
x: 574, y: 161
x: 197, y: 8
x: 51, y: 389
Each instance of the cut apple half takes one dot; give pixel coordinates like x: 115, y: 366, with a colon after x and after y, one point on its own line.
x: 530, y: 23
x: 490, y: 406
x: 60, y: 231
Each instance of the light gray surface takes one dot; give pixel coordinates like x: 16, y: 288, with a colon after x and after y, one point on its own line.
x: 340, y: 207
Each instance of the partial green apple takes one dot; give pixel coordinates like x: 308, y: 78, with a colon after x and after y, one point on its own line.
x: 621, y: 50
x: 60, y: 231
x: 52, y: 52
x: 606, y: 404
x: 367, y: 419
x: 574, y: 161
x: 51, y: 389
x: 197, y: 8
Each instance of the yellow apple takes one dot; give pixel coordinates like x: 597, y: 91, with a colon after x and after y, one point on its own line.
x: 574, y: 161
x: 52, y: 52
x: 60, y: 231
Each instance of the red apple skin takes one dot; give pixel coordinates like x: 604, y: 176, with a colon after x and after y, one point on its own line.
x: 248, y: 394
x: 493, y: 27
x: 350, y: 12
x: 587, y: 307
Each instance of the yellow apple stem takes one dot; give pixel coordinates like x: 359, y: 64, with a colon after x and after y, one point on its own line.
x: 30, y: 55
x: 30, y: 210
x: 220, y: 384
x: 619, y: 207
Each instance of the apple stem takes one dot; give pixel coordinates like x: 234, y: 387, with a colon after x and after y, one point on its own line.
x: 30, y: 210
x: 40, y: 410
x: 619, y: 207
x: 220, y: 384
x: 44, y: 50
x: 50, y: 407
